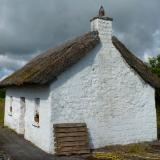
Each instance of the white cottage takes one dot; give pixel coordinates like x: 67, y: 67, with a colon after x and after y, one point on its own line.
x: 93, y: 79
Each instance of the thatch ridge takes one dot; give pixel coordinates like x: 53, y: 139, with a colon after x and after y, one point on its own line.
x: 47, y: 66
x: 139, y: 66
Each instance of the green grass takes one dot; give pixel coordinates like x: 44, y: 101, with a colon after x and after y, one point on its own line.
x: 1, y: 110
x: 158, y: 114
x: 158, y: 118
x: 2, y: 93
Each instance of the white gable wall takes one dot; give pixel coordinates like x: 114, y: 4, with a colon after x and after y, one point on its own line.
x: 39, y: 136
x: 104, y: 92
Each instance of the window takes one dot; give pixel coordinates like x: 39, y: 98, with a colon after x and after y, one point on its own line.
x: 36, y: 113
x: 10, y: 106
x: 22, y: 107
x: 22, y: 100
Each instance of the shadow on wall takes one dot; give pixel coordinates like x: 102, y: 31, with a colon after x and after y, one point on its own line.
x: 29, y: 92
x: 91, y: 145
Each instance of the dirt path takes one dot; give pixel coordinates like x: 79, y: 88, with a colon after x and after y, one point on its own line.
x: 20, y: 149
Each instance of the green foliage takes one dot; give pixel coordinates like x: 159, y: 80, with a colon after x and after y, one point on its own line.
x: 154, y: 64
x: 2, y: 93
x: 158, y: 115
x: 1, y: 110
x: 2, y: 96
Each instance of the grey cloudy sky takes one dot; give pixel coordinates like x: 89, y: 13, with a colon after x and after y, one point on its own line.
x: 28, y: 27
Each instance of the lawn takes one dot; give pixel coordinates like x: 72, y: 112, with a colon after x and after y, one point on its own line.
x: 1, y: 110
x: 143, y: 151
x: 158, y: 116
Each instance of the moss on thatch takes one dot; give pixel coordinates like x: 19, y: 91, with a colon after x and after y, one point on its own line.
x: 46, y: 67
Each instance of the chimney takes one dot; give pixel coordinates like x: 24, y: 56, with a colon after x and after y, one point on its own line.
x: 103, y: 25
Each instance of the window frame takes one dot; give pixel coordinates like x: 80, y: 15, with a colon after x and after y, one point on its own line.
x: 36, y: 120
x: 10, y: 106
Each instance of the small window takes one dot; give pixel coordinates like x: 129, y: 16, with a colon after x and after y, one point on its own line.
x: 10, y: 106
x: 22, y: 100
x: 36, y: 113
x: 22, y: 105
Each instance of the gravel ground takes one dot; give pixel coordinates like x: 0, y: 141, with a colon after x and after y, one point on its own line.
x: 20, y: 149
x: 4, y: 156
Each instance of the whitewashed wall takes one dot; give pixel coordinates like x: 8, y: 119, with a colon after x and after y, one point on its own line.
x: 39, y: 136
x: 103, y: 91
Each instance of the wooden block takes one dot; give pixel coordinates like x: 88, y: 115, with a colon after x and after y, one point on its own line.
x: 71, y: 129
x: 67, y: 125
x: 70, y: 144
x: 71, y: 149
x: 74, y: 152
x: 74, y: 134
x: 71, y: 139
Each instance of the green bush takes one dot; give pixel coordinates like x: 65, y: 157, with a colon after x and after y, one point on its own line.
x: 2, y: 93
x: 154, y: 64
x: 1, y: 110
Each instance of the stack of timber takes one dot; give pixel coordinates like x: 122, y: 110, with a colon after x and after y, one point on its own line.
x: 71, y: 139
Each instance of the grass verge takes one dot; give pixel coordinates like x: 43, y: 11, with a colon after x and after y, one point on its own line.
x: 1, y: 110
x: 141, y: 151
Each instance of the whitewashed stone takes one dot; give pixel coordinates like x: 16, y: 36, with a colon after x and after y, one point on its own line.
x: 39, y: 136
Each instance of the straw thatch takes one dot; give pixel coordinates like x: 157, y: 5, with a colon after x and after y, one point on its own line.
x: 138, y: 65
x: 46, y: 67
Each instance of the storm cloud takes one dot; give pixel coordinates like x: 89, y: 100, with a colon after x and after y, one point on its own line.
x: 29, y: 27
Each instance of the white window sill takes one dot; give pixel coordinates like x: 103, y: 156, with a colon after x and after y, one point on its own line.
x: 35, y: 124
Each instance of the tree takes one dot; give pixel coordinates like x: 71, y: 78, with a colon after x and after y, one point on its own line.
x: 2, y: 93
x: 154, y: 64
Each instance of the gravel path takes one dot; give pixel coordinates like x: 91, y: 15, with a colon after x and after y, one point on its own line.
x: 4, y: 156
x: 20, y: 149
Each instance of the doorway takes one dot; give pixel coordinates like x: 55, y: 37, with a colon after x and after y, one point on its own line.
x: 22, y: 115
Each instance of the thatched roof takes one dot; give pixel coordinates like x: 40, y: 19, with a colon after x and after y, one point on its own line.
x: 138, y: 65
x: 46, y: 67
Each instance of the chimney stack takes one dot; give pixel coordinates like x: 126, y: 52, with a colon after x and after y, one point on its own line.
x: 101, y: 12
x: 103, y: 25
